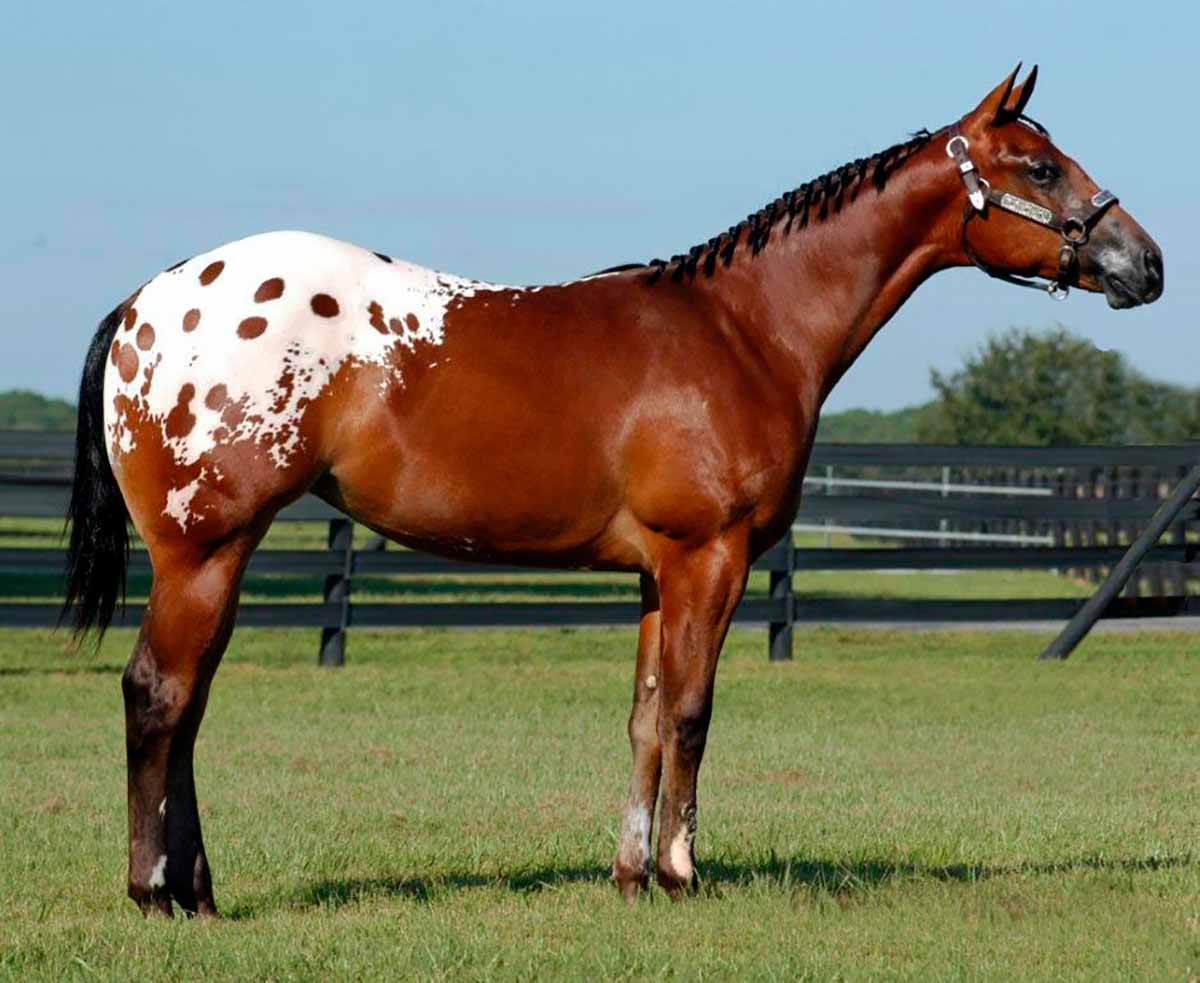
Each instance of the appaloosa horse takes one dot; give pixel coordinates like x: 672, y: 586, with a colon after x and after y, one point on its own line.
x: 655, y: 418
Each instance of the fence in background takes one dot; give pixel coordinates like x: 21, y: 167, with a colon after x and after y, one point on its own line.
x: 1079, y: 504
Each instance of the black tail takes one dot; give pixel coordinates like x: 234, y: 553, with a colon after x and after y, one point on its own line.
x: 99, y: 549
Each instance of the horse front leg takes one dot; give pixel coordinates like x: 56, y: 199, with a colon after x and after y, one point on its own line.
x: 631, y: 867
x: 699, y: 589
x: 184, y: 633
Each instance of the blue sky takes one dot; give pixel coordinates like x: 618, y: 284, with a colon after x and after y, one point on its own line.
x: 534, y: 141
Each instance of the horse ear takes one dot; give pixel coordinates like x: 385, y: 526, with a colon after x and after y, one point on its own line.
x: 1023, y: 92
x: 991, y: 110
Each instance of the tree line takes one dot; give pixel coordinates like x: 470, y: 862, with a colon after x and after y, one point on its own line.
x: 1045, y: 389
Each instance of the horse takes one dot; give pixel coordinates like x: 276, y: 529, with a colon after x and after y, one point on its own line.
x: 654, y: 418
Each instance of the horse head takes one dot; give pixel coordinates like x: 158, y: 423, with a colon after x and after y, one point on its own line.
x: 1034, y: 212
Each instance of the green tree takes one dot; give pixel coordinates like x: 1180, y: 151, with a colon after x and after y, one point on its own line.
x: 872, y: 426
x: 1055, y: 388
x: 21, y: 409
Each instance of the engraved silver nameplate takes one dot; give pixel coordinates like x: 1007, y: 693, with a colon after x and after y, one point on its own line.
x: 1020, y: 206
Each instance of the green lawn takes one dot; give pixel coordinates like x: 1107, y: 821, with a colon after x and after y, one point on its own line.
x: 891, y: 805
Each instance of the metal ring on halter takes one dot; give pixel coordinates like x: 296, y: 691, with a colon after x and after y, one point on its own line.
x: 950, y: 144
x: 1075, y: 231
x: 1058, y: 291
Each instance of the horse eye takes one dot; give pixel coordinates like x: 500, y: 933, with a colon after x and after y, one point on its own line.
x: 1043, y: 173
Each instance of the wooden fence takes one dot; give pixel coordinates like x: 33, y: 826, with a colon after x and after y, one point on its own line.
x: 1095, y: 507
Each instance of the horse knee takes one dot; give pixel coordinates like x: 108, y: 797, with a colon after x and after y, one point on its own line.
x: 643, y: 724
x: 685, y: 726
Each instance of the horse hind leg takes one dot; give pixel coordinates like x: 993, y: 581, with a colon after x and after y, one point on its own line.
x: 184, y: 633
x: 631, y: 867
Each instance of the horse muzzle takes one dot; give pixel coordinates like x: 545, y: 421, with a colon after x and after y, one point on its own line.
x: 1131, y: 277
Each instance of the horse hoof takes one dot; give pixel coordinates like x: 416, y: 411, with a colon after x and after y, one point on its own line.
x: 631, y: 885
x: 678, y: 887
x: 152, y: 903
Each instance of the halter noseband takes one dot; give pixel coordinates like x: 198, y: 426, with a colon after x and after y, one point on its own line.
x: 1074, y: 228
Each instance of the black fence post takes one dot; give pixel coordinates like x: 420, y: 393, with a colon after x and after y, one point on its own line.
x: 780, y: 589
x: 337, y: 591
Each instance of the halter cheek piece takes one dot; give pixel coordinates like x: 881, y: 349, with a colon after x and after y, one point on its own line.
x: 1075, y: 228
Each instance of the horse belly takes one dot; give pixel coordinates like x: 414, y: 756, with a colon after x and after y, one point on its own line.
x: 456, y: 464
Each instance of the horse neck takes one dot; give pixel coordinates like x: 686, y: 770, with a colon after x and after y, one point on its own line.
x: 813, y: 298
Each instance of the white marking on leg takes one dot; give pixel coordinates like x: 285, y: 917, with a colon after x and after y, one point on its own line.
x: 651, y: 682
x: 681, y: 854
x: 681, y: 845
x: 635, y: 837
x: 162, y: 808
x: 158, y: 876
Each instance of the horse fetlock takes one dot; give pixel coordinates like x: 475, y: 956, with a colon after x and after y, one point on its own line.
x: 631, y: 867
x: 190, y: 883
x: 148, y: 886
x: 677, y: 884
x: 677, y: 864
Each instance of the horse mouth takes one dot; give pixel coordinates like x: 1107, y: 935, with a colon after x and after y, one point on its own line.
x: 1119, y: 294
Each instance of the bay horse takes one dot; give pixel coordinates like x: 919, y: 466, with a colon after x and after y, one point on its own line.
x: 655, y: 418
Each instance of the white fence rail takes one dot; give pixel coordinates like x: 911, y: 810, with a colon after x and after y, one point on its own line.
x: 829, y: 481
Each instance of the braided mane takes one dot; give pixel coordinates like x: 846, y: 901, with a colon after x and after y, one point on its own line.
x: 816, y: 197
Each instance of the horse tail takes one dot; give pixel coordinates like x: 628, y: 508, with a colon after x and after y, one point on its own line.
x: 98, y: 553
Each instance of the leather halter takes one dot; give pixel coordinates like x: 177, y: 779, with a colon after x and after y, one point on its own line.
x: 1075, y: 227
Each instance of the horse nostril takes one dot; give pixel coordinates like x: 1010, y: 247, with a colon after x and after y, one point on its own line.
x: 1152, y: 259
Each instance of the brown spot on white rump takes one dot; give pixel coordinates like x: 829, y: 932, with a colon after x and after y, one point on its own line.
x: 127, y: 363
x: 191, y: 319
x: 269, y: 290
x: 181, y: 420
x: 130, y: 318
x: 412, y: 322
x: 252, y: 327
x: 377, y: 321
x: 148, y: 374
x: 217, y: 397
x: 145, y: 337
x: 211, y: 272
x: 324, y: 306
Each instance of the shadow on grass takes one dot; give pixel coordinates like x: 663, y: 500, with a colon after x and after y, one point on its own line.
x: 838, y: 879
x: 59, y: 667
x: 861, y: 875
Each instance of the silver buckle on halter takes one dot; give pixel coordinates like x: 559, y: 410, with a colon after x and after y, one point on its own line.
x: 966, y: 166
x: 950, y: 145
x: 1102, y: 198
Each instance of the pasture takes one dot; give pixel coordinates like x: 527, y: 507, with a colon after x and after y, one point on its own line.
x: 890, y: 805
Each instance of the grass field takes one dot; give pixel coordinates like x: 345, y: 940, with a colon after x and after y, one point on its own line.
x: 895, y: 806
